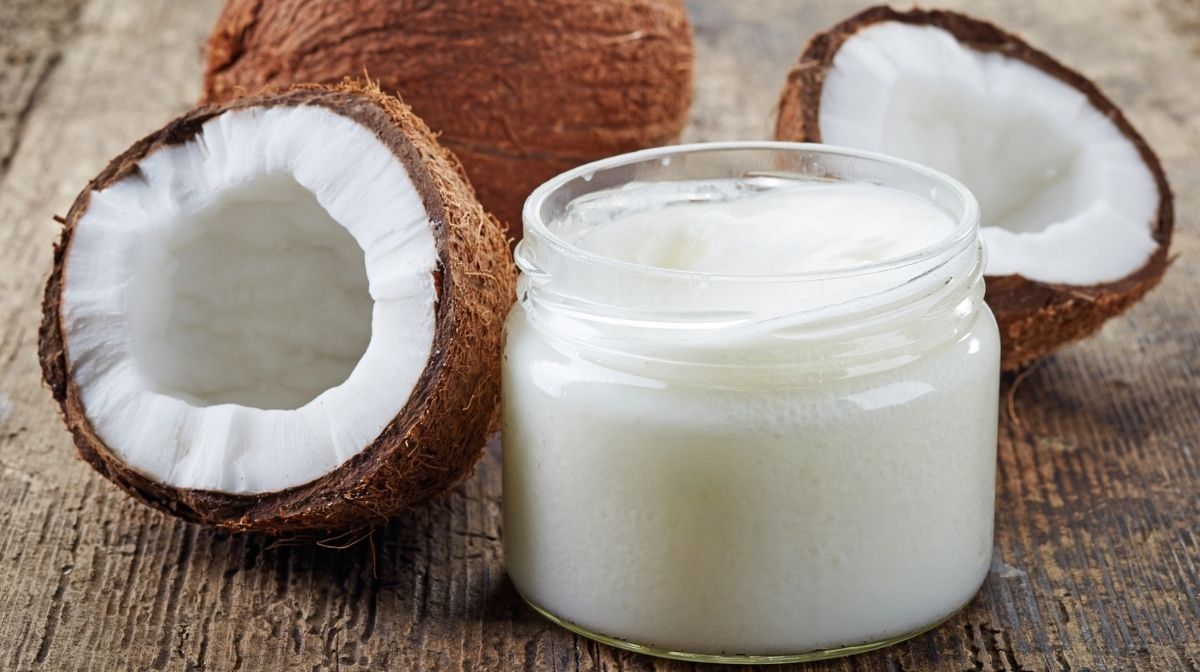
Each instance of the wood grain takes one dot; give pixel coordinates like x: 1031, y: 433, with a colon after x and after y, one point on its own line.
x: 1097, y: 563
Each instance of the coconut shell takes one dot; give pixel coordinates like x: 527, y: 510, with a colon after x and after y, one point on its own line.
x: 1035, y: 318
x: 437, y: 437
x: 520, y: 90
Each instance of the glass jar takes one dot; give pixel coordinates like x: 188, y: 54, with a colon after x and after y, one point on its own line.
x: 749, y: 468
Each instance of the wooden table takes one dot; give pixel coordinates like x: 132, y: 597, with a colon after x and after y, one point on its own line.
x: 1098, y: 517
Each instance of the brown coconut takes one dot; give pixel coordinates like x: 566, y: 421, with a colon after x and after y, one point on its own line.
x: 1035, y: 318
x: 437, y: 436
x: 519, y: 90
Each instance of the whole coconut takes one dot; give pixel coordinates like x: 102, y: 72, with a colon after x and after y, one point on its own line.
x: 519, y: 90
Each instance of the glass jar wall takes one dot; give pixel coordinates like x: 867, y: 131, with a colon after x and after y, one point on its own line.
x: 749, y: 467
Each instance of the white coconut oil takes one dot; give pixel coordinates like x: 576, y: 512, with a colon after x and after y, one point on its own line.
x: 750, y: 416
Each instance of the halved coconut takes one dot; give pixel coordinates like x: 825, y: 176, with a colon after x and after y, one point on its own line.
x: 1077, y: 212
x: 282, y: 314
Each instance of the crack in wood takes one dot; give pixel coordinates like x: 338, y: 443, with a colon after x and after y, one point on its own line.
x: 187, y: 538
x: 58, y: 602
x: 32, y: 52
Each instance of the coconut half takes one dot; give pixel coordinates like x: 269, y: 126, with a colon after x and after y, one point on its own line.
x: 281, y: 314
x: 1076, y: 209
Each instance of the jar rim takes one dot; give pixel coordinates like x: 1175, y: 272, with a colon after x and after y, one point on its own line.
x: 966, y: 229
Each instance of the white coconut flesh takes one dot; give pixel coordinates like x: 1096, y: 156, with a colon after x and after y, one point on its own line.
x: 250, y: 309
x: 1065, y: 197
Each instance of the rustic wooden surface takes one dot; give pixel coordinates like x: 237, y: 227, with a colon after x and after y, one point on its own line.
x: 1098, y: 522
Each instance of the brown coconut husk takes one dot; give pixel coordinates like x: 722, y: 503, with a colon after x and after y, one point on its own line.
x: 519, y: 90
x: 1035, y: 318
x: 437, y: 437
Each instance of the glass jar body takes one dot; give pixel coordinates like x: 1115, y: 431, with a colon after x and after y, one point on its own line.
x: 721, y: 520
x: 748, y: 468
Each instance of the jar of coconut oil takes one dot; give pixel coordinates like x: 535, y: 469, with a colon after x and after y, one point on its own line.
x: 750, y: 401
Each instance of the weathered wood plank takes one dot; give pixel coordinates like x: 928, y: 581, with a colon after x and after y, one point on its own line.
x: 1098, y: 527
x: 33, y: 35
